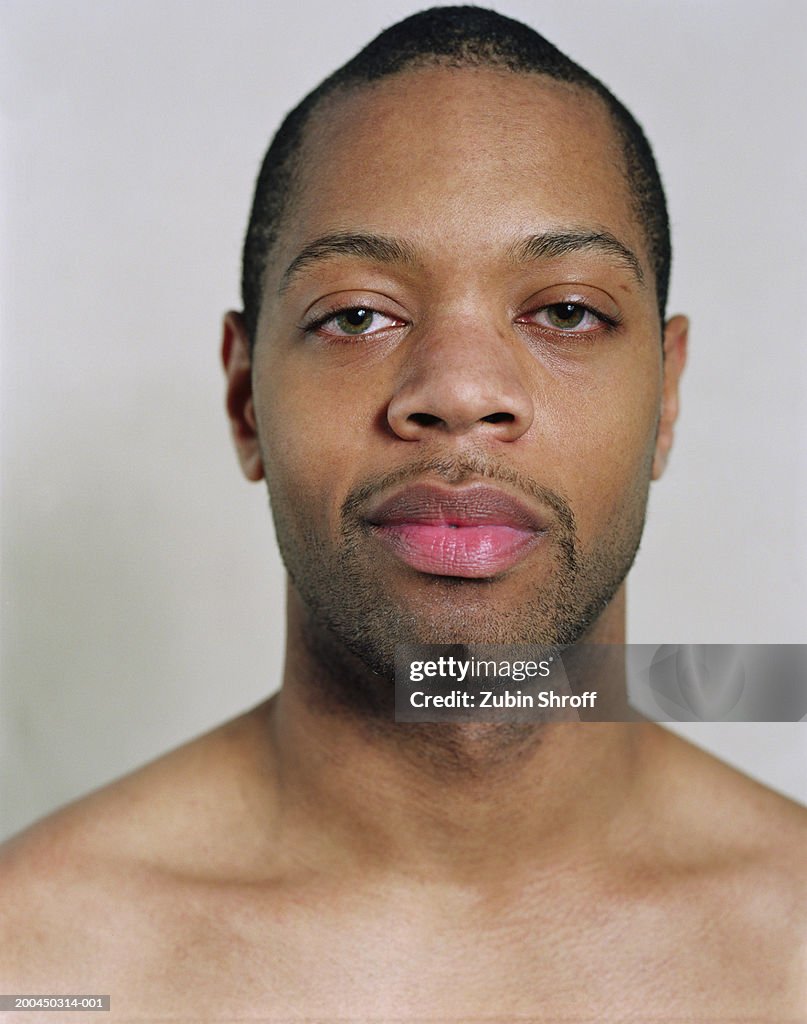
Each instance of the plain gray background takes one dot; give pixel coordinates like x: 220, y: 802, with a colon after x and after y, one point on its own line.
x: 142, y: 591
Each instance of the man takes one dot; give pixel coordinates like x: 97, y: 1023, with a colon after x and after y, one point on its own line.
x: 453, y: 371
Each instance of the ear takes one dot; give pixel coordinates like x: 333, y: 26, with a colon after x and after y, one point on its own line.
x: 237, y: 361
x: 676, y: 331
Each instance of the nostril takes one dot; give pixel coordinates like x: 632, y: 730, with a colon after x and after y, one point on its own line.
x: 423, y: 419
x: 499, y: 417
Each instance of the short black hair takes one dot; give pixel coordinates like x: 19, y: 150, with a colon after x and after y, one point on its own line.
x: 457, y: 37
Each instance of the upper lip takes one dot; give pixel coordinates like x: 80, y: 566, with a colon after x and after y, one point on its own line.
x: 474, y: 505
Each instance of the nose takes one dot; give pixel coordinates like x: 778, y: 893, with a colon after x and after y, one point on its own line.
x: 460, y: 381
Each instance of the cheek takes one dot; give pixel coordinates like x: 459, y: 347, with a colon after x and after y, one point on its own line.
x: 308, y: 430
x: 605, y: 452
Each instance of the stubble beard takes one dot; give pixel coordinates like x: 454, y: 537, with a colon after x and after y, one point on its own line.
x: 353, y: 620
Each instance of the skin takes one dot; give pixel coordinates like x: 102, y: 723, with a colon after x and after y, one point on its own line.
x: 310, y: 861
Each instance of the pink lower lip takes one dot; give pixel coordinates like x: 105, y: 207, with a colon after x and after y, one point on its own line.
x: 474, y: 552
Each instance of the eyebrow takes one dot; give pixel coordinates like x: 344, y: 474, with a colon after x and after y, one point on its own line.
x: 375, y: 248
x: 551, y: 244
x: 395, y: 251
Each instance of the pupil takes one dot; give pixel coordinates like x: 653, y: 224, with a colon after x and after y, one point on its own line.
x: 357, y: 317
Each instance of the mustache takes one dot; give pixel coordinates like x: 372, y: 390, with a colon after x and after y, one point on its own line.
x: 460, y: 469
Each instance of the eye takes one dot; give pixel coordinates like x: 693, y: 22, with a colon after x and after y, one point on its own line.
x: 568, y: 318
x: 353, y: 321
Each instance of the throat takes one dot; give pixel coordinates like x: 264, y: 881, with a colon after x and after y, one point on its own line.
x: 355, y: 787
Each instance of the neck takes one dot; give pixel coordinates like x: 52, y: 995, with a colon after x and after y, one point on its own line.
x: 438, y: 799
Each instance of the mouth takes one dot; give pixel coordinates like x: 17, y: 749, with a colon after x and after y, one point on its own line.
x: 475, y: 532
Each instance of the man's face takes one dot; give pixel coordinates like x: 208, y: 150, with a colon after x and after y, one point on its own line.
x: 457, y: 424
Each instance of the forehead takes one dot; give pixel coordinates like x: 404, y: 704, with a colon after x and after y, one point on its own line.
x: 457, y: 157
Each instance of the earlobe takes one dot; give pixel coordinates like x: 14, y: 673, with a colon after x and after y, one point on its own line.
x: 237, y: 360
x: 676, y: 333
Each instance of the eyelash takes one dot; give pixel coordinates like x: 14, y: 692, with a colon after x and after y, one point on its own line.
x: 609, y: 323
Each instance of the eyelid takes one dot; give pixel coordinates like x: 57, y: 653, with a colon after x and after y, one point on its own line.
x: 579, y: 292
x: 345, y: 299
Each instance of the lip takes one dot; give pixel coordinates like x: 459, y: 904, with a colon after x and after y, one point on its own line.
x: 473, y: 532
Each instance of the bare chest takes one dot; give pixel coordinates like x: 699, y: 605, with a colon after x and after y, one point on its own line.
x: 301, y: 960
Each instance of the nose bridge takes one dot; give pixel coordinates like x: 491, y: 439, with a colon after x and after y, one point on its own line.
x: 462, y: 373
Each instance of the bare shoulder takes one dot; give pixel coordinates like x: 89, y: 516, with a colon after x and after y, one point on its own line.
x: 750, y: 840
x: 58, y: 887
x: 96, y: 882
x: 725, y: 858
x: 733, y: 809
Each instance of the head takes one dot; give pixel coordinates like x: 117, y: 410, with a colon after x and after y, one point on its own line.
x: 455, y: 276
